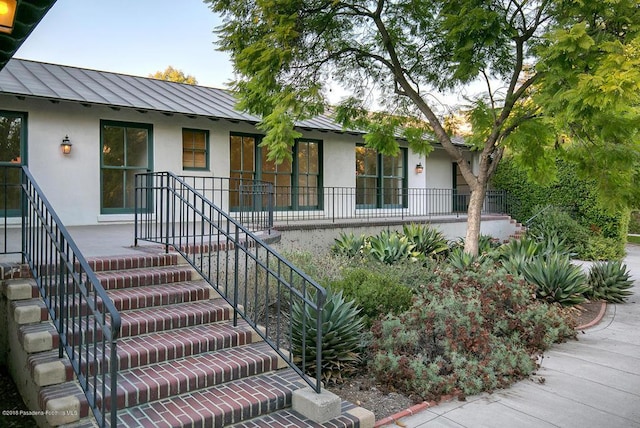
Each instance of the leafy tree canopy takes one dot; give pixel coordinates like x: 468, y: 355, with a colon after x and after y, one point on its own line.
x: 559, y: 76
x: 174, y: 75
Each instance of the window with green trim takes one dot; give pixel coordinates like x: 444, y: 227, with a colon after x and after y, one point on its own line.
x: 13, y: 149
x: 195, y: 149
x: 126, y: 151
x: 297, y: 183
x: 381, y: 180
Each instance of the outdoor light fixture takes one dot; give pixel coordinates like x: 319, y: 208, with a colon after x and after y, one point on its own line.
x: 66, y: 144
x: 7, y: 15
x: 419, y: 168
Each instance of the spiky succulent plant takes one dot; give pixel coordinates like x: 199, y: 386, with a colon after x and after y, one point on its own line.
x: 609, y: 281
x: 342, y: 329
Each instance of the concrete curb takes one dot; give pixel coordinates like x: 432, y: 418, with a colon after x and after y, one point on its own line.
x: 412, y: 411
x: 598, y: 318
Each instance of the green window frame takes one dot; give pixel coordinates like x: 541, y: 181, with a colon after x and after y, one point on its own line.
x: 381, y: 180
x: 13, y: 154
x: 126, y: 150
x: 195, y: 149
x: 298, y: 184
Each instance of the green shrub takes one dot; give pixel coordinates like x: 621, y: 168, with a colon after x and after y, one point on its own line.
x: 555, y: 222
x: 556, y: 279
x: 471, y: 331
x: 348, y: 245
x: 390, y: 247
x: 342, y: 328
x: 609, y: 281
x: 634, y: 222
x: 601, y: 248
x: 427, y: 240
x: 579, y: 196
x: 375, y: 293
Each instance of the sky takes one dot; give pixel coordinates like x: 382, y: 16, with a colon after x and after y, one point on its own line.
x: 137, y: 37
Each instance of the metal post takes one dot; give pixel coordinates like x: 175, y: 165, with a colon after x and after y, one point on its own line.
x: 235, y: 276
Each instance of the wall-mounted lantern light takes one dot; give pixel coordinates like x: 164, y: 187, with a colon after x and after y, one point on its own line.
x: 7, y: 15
x: 66, y: 144
x: 419, y: 168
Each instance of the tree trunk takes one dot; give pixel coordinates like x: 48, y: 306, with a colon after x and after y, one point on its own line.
x: 474, y: 213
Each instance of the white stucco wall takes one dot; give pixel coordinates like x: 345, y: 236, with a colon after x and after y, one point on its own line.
x: 72, y: 182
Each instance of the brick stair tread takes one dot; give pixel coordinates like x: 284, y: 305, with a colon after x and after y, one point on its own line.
x: 125, y: 299
x: 166, y: 345
x: 196, y: 372
x: 290, y: 418
x: 123, y: 262
x: 149, y: 320
x: 112, y: 280
x: 218, y: 406
x: 158, y: 295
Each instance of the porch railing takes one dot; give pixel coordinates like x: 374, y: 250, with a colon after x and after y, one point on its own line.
x: 258, y: 204
x: 259, y: 284
x: 87, y: 323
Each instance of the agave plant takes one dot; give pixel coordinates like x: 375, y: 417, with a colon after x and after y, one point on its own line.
x: 461, y: 260
x: 390, y: 248
x: 556, y: 279
x: 427, y: 240
x: 342, y: 328
x: 348, y: 245
x: 609, y: 281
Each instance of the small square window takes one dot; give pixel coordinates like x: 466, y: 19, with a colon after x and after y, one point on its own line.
x: 195, y: 149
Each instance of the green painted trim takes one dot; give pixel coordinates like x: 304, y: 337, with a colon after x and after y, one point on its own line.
x: 24, y: 152
x: 149, y: 128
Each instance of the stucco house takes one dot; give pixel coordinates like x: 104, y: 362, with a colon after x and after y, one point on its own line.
x: 116, y: 125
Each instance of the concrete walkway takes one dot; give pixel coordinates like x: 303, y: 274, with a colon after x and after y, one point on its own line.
x: 589, y: 383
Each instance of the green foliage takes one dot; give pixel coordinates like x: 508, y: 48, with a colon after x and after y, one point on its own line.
x: 609, y: 281
x: 427, y: 240
x: 375, y: 293
x: 348, y: 245
x: 601, y: 248
x: 580, y: 213
x: 388, y: 247
x: 634, y: 222
x: 470, y: 332
x: 342, y: 328
x: 556, y: 279
x: 461, y: 260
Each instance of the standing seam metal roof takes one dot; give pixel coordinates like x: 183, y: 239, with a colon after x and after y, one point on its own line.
x: 58, y: 82
x: 65, y: 83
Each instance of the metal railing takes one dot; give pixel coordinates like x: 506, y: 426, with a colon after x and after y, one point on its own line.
x: 258, y: 204
x: 259, y: 284
x: 87, y: 323
x: 248, y: 201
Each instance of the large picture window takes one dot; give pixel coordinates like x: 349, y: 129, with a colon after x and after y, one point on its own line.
x: 296, y: 184
x: 380, y: 179
x: 13, y: 149
x: 126, y: 151
x: 195, y: 149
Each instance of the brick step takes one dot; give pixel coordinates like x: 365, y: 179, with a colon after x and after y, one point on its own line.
x: 119, y: 263
x: 117, y: 280
x: 123, y: 299
x: 148, y: 349
x: 218, y: 406
x: 113, y: 280
x: 154, y: 319
x: 159, y: 381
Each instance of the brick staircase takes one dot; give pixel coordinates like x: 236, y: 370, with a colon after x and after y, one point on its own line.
x: 181, y: 361
x: 519, y: 230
